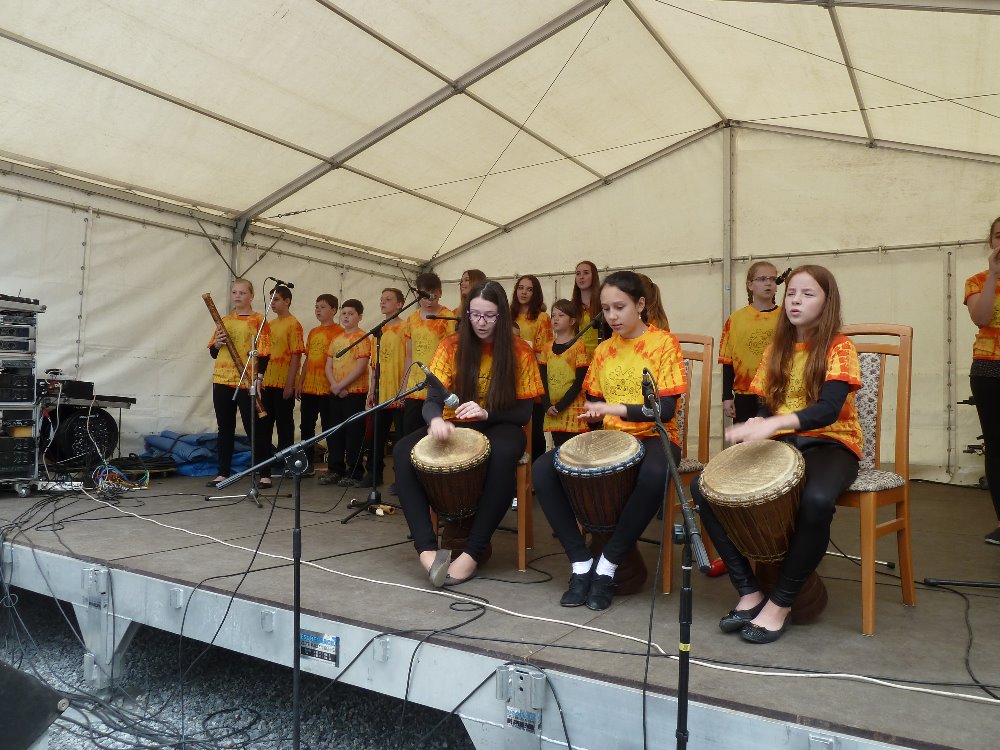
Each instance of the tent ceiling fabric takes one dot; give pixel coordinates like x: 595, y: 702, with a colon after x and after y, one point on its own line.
x: 232, y: 102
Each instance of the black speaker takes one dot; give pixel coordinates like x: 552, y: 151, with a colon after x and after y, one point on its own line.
x: 27, y: 707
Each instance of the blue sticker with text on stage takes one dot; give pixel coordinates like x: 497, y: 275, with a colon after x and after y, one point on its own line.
x: 525, y: 720
x: 320, y: 646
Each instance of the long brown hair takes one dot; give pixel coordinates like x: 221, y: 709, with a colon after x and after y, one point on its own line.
x: 475, y: 276
x: 595, y: 290
x: 752, y: 271
x: 657, y: 315
x: 536, y: 304
x: 501, y: 392
x: 820, y: 338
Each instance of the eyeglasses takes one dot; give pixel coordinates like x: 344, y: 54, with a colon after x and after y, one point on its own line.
x: 763, y: 279
x: 484, y: 317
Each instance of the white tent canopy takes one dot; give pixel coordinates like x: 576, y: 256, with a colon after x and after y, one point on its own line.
x: 367, y: 139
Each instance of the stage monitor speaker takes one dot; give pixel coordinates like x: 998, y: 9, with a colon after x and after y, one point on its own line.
x: 27, y: 707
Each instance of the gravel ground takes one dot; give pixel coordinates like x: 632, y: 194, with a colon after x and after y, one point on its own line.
x: 229, y: 700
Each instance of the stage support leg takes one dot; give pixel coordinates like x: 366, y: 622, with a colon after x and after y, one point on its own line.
x: 105, y: 635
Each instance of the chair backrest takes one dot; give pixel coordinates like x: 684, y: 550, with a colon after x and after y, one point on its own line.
x: 696, y: 348
x: 873, y: 357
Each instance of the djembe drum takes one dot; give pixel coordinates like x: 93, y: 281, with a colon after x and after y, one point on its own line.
x: 598, y: 471
x: 453, y: 474
x: 754, y: 490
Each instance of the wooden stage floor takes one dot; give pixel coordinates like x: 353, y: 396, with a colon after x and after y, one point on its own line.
x: 166, y: 532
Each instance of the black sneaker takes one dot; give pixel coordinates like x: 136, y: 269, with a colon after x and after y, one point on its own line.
x: 328, y: 478
x: 576, y: 593
x: 602, y: 589
x: 993, y: 537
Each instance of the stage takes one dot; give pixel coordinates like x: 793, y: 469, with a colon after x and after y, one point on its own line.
x: 167, y: 558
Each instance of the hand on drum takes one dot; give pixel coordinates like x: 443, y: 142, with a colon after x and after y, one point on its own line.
x: 761, y: 428
x: 440, y: 429
x: 595, y: 411
x: 470, y: 410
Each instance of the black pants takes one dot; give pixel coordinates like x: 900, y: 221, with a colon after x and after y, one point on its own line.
x: 830, y: 469
x: 537, y: 431
x: 413, y: 415
x: 313, y: 406
x: 384, y: 420
x: 986, y: 391
x: 558, y: 438
x: 225, y: 416
x: 747, y: 405
x: 347, y: 443
x: 506, y: 448
x: 646, y: 499
x: 280, y: 414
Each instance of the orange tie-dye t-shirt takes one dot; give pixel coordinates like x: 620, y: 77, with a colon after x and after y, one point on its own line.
x: 615, y: 375
x: 841, y: 364
x: 589, y: 338
x: 241, y: 330
x: 286, y: 340
x: 392, y: 357
x: 424, y: 337
x: 745, y: 336
x: 987, y: 343
x: 537, y: 332
x: 560, y: 371
x: 343, y: 364
x: 527, y: 380
x: 314, y: 380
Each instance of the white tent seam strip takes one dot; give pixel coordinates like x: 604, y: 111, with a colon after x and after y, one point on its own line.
x: 980, y: 7
x: 477, y: 73
x: 674, y: 59
x: 850, y: 71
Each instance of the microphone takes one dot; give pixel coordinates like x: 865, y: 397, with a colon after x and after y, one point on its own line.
x: 442, y: 317
x: 781, y: 279
x: 426, y: 295
x: 648, y: 394
x: 279, y: 282
x: 450, y: 399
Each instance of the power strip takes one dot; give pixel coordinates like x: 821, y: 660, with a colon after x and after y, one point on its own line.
x: 60, y: 486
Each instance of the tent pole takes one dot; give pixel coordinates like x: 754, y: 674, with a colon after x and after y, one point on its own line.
x: 728, y: 174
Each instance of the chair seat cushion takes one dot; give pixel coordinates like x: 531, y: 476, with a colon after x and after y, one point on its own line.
x: 689, y: 466
x: 873, y: 480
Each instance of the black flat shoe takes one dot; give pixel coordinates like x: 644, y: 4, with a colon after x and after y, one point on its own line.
x: 757, y: 634
x: 602, y: 589
x: 737, y: 618
x: 449, y: 581
x: 439, y: 568
x: 579, y: 588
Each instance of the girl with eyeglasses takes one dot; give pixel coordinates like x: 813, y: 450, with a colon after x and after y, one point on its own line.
x: 806, y: 382
x: 614, y: 397
x: 745, y: 335
x: 982, y: 296
x: 496, y: 378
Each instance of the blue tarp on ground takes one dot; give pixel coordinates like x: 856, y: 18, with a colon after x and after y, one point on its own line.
x: 195, y: 454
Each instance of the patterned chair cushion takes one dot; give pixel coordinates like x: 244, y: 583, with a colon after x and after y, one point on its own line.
x: 866, y: 400
x: 690, y: 466
x: 874, y: 480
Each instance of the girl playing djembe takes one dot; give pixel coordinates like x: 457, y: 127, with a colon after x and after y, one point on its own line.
x: 806, y: 382
x: 496, y: 378
x: 614, y: 396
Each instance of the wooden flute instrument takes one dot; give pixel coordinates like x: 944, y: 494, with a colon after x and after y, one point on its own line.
x: 231, y: 348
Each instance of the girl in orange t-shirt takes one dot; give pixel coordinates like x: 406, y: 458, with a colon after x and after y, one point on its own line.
x: 982, y: 296
x: 527, y: 306
x: 495, y: 376
x: 806, y: 381
x: 615, y: 398
x: 563, y: 367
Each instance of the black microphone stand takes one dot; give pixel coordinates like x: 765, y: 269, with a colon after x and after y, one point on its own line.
x: 594, y: 322
x: 686, y: 534
x: 374, y: 497
x: 296, y: 461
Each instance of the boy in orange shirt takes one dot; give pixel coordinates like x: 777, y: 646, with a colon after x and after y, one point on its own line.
x: 287, y: 348
x: 422, y: 338
x: 347, y: 375
x: 391, y: 358
x: 312, y: 388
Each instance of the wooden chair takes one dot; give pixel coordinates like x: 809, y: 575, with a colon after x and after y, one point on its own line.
x: 525, y: 518
x: 699, y: 350
x: 875, y: 488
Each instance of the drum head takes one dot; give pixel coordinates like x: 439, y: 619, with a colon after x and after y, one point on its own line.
x: 464, y: 448
x: 597, y: 450
x: 752, y: 473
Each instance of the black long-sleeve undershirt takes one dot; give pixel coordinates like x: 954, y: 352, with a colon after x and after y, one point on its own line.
x: 519, y: 413
x: 574, y: 389
x: 825, y: 411
x: 633, y: 412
